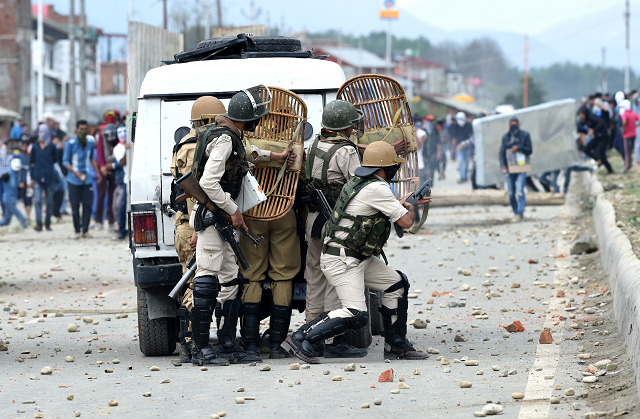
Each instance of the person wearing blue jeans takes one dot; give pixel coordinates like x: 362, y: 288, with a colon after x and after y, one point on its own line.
x: 462, y: 142
x: 43, y: 175
x: 550, y: 183
x: 12, y: 180
x: 516, y: 143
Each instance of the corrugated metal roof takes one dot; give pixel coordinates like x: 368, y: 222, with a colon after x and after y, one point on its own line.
x: 356, y: 57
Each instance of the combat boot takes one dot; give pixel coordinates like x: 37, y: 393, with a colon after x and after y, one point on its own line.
x: 227, y: 320
x: 280, y: 318
x: 396, y: 345
x: 201, y: 351
x: 301, y: 343
x: 185, y: 346
x: 341, y: 349
x: 250, y: 328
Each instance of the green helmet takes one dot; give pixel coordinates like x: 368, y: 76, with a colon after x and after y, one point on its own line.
x: 340, y: 114
x: 249, y: 104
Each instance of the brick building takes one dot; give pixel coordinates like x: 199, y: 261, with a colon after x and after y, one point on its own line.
x: 113, y: 77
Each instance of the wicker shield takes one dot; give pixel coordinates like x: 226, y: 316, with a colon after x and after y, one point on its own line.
x: 387, y: 117
x: 275, y: 132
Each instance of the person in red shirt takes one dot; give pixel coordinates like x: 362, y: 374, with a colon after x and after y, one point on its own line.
x: 630, y: 121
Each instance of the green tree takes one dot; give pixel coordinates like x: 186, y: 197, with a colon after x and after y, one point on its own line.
x: 537, y: 94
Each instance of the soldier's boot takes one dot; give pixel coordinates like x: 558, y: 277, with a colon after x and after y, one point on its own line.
x: 301, y: 343
x: 185, y: 345
x: 201, y: 352
x: 250, y: 328
x: 396, y: 344
x: 341, y: 349
x: 227, y: 320
x: 280, y: 318
x: 205, y: 292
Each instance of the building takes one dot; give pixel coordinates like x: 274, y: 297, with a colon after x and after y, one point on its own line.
x: 355, y: 61
x: 113, y: 77
x: 15, y: 57
x: 426, y: 76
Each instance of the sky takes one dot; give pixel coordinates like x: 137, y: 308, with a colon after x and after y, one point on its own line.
x: 435, y: 19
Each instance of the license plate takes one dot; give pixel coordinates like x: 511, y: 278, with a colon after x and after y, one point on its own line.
x: 299, y: 291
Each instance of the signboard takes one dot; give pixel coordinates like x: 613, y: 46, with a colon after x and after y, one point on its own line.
x: 389, y: 9
x: 552, y: 127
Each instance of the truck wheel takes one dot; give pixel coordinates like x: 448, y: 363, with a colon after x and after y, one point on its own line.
x: 157, y: 337
x: 260, y: 43
x: 374, y: 314
x: 361, y: 338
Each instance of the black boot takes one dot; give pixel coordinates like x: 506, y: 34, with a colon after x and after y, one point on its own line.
x: 341, y: 349
x: 185, y: 346
x: 396, y: 344
x: 250, y: 327
x: 278, y: 329
x: 227, y: 317
x: 201, y: 351
x: 301, y: 343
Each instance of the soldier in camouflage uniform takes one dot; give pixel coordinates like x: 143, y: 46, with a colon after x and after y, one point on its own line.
x: 332, y: 159
x: 184, y: 236
x: 353, y: 240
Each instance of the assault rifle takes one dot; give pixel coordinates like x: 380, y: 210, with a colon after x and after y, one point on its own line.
x: 321, y: 203
x: 422, y: 192
x: 191, y: 270
x: 219, y: 219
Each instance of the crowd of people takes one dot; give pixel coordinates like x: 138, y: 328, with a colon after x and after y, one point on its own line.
x: 79, y: 174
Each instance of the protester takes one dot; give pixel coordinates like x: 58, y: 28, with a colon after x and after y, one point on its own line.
x: 120, y: 172
x: 460, y: 132
x: 17, y: 130
x: 26, y: 193
x: 515, y: 149
x: 13, y: 181
x: 43, y: 175
x: 107, y: 185
x: 630, y: 121
x: 79, y: 153
x: 597, y: 147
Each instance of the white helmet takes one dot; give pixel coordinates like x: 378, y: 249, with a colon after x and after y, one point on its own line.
x: 619, y: 97
x: 16, y: 164
x: 461, y: 118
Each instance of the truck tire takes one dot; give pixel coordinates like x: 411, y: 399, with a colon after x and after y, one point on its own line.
x: 374, y: 314
x: 260, y: 44
x: 157, y: 337
x: 361, y: 338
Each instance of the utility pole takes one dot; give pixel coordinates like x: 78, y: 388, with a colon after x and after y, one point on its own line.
x: 219, y: 10
x: 388, y: 54
x: 40, y: 64
x: 72, y: 67
x: 130, y: 10
x: 164, y: 11
x: 253, y: 13
x: 207, y: 19
x: 605, y: 87
x: 82, y: 56
x: 626, y: 66
x: 525, y: 79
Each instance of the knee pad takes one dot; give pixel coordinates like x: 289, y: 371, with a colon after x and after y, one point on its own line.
x: 359, y: 319
x: 205, y: 291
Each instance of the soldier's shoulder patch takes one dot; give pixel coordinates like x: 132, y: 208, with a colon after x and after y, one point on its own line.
x: 352, y: 150
x: 224, y: 137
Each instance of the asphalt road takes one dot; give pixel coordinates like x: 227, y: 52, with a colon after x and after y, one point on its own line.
x: 50, y: 273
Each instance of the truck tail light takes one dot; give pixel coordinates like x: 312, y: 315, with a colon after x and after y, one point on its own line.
x: 145, y: 231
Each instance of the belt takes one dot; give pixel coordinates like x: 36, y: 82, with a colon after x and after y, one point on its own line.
x: 336, y: 251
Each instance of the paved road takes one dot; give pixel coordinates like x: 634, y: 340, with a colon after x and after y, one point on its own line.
x: 50, y: 272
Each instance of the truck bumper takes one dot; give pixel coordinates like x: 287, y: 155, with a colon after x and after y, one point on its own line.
x: 149, y: 276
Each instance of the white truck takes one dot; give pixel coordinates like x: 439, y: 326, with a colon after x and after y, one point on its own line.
x: 219, y: 67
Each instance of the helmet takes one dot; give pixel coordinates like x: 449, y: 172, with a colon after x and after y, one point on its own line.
x: 377, y: 155
x: 110, y: 134
x: 249, y: 104
x: 122, y: 133
x: 206, y: 105
x: 340, y: 114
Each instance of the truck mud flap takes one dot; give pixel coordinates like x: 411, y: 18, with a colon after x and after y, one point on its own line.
x: 159, y: 304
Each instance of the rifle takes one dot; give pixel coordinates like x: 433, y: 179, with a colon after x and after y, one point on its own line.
x: 422, y: 192
x: 220, y: 219
x: 321, y: 203
x: 191, y: 270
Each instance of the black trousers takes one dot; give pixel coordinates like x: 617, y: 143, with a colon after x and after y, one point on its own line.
x: 81, y: 194
x: 597, y: 150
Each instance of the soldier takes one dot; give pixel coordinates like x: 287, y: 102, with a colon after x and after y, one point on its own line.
x: 331, y: 161
x: 221, y: 168
x: 353, y: 238
x: 185, y: 237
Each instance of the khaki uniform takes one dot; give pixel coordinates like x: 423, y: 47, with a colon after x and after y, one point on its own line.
x: 350, y: 275
x: 321, y: 296
x: 182, y: 231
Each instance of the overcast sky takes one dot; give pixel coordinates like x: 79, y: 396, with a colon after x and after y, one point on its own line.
x: 530, y: 17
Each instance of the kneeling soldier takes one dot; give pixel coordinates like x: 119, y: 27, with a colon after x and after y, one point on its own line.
x: 353, y: 238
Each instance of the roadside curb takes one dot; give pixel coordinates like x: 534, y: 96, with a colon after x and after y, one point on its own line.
x: 623, y: 268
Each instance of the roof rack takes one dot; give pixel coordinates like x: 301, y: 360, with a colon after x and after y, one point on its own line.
x: 236, y: 49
